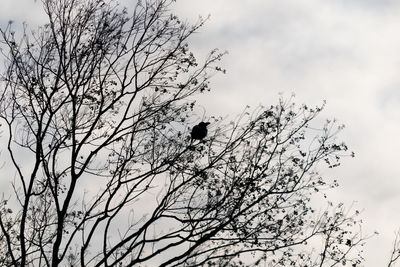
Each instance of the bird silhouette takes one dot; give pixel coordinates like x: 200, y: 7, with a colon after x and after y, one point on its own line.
x: 199, y: 131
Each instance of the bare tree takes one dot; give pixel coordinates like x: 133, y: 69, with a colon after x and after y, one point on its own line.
x: 98, y: 107
x: 395, y: 254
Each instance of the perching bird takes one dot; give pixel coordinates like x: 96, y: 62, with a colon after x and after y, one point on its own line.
x: 199, y: 131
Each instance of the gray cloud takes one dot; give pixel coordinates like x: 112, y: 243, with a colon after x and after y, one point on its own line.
x: 343, y: 51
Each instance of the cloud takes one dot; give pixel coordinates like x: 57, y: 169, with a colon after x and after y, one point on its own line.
x: 370, y: 4
x: 343, y: 51
x: 388, y: 101
x: 21, y: 11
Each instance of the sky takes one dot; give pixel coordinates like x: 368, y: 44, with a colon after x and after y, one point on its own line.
x: 344, y: 52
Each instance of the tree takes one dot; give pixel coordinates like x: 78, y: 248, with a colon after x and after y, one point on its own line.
x: 395, y: 253
x: 97, y: 107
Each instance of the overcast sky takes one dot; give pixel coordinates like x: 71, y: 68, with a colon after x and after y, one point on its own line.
x: 344, y: 51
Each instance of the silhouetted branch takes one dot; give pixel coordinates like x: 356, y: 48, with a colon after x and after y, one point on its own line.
x: 98, y: 107
x: 395, y: 255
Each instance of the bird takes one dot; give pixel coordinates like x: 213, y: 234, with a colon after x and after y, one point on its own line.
x: 199, y: 131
